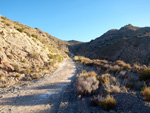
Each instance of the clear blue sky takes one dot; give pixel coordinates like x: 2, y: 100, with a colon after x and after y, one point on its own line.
x: 81, y: 20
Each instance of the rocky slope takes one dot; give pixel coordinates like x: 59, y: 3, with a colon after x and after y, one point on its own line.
x: 129, y: 43
x: 27, y: 53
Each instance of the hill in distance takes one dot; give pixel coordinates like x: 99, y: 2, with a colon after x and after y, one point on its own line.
x: 129, y: 43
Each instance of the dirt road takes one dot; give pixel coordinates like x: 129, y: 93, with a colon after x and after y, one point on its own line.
x: 42, y: 96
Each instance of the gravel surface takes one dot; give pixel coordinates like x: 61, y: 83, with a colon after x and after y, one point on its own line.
x: 42, y: 96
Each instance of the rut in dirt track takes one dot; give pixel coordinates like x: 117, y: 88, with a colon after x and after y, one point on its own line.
x: 42, y: 96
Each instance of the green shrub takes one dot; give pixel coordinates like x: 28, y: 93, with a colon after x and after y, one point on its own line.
x: 4, y: 18
x: 27, y: 71
x: 20, y: 30
x: 35, y: 36
x: 17, y: 75
x: 34, y: 55
x: 24, y: 60
x: 145, y: 74
x: 9, y: 56
x: 34, y: 40
x: 28, y: 33
x: 8, y: 24
x: 108, y: 103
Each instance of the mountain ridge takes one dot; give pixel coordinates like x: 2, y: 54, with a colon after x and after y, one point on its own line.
x: 124, y: 44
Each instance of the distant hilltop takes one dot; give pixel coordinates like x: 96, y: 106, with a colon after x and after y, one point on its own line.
x: 129, y: 43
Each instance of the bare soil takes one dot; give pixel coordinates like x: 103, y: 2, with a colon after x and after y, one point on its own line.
x: 42, y: 96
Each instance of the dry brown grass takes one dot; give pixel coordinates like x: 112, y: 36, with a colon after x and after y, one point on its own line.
x: 17, y: 75
x: 146, y: 93
x: 108, y: 103
x: 123, y: 64
x: 35, y: 76
x: 16, y: 67
x: 115, y: 68
x: 104, y: 79
x: 120, y: 63
x: 104, y: 61
x: 127, y: 66
x: 92, y: 73
x: 34, y: 55
x: 84, y: 71
x: 136, y: 66
x: 27, y: 71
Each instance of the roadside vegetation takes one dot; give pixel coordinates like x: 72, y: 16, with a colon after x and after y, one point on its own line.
x: 110, y: 79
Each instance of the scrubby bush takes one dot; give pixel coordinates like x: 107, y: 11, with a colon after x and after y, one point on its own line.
x: 135, y: 66
x: 4, y: 18
x: 146, y: 93
x: 35, y: 76
x: 2, y: 77
x: 104, y: 79
x: 127, y: 66
x: 123, y: 64
x: 35, y: 36
x: 27, y: 71
x: 92, y: 73
x: 28, y: 33
x: 20, y: 30
x: 9, y: 56
x: 108, y: 103
x: 105, y: 66
x: 107, y: 79
x: 34, y: 55
x: 86, y: 85
x: 145, y: 74
x: 84, y: 71
x: 8, y: 24
x: 16, y: 67
x: 18, y: 75
x: 115, y: 68
x: 51, y: 56
x: 104, y: 61
x: 24, y: 60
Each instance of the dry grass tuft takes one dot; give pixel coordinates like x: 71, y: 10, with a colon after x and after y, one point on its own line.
x: 123, y: 64
x: 17, y: 75
x: 104, y: 79
x: 35, y: 76
x: 146, y: 93
x: 92, y: 73
x: 115, y: 68
x: 108, y: 103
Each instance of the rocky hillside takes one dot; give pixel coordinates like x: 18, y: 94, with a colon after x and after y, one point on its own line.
x: 129, y: 43
x: 27, y: 53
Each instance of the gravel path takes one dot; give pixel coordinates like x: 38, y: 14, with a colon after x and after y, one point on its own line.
x: 42, y: 96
